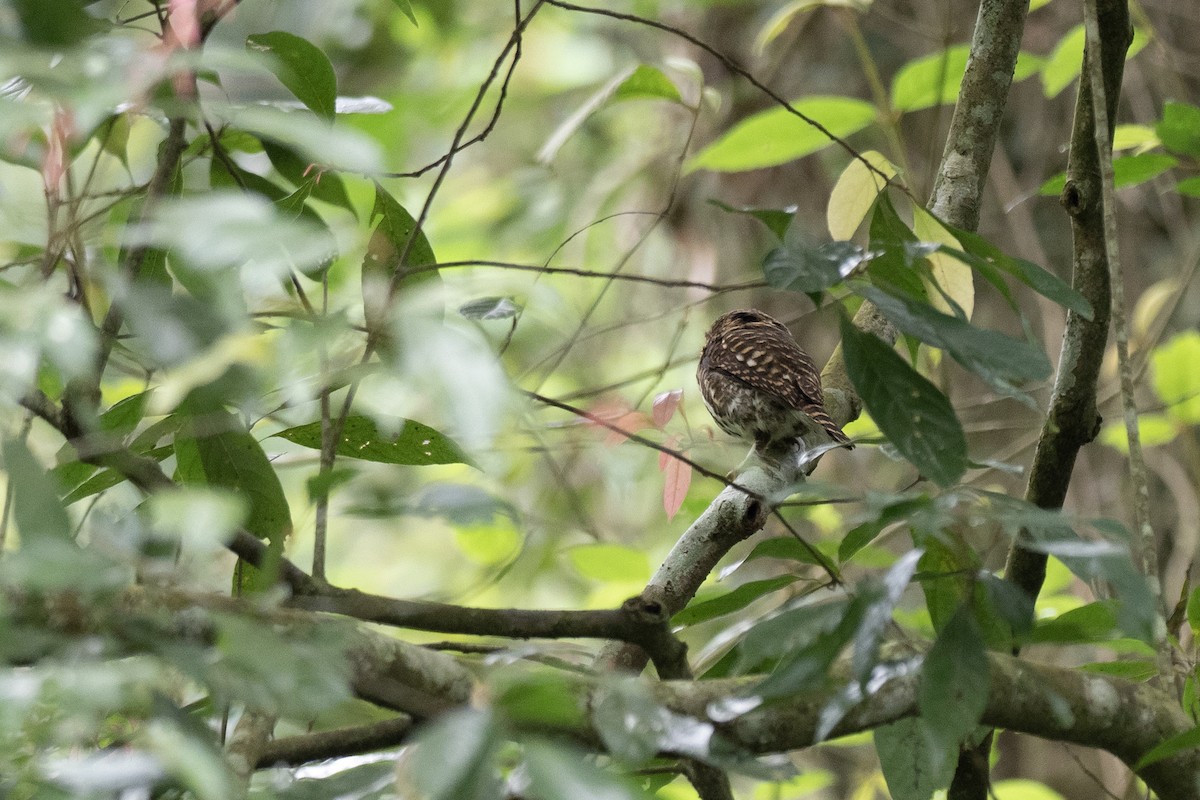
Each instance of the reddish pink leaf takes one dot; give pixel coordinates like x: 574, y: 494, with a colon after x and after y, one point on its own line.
x: 665, y: 405
x: 663, y: 458
x: 677, y: 477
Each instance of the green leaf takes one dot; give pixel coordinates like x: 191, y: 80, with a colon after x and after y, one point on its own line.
x: 1189, y: 186
x: 1139, y: 168
x: 798, y: 268
x: 302, y: 67
x: 1063, y: 64
x: 777, y: 136
x: 777, y: 220
x: 488, y: 308
x: 455, y: 756
x: 912, y: 412
x: 898, y: 266
x: 792, y: 630
x: 325, y: 186
x: 108, y: 478
x: 39, y: 514
x: 54, y: 23
x: 1179, y: 128
x: 998, y: 359
x: 1193, y: 609
x: 382, y: 261
x: 787, y: 547
x: 215, y: 449
x: 559, y: 773
x: 912, y: 765
x: 946, y: 573
x: 731, y: 601
x: 1176, y: 744
x: 413, y: 444
x: 892, y: 510
x: 1088, y: 624
x: 1039, y: 279
x: 647, y: 82
x: 406, y: 9
x: 610, y: 563
x: 1023, y: 789
x: 954, y: 679
x: 1175, y: 377
x: 930, y: 80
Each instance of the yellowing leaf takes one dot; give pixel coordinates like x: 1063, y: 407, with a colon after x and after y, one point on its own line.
x: 1150, y: 306
x: 953, y: 276
x: 855, y: 193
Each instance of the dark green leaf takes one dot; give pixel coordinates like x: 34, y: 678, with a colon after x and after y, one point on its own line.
x: 947, y: 570
x: 455, y: 756
x: 54, y: 23
x: 558, y: 773
x: 1089, y: 624
x: 731, y: 601
x: 1179, y: 128
x: 326, y: 186
x: 634, y: 727
x: 300, y: 671
x: 361, y: 438
x: 892, y: 510
x: 812, y: 269
x: 1041, y: 280
x: 486, y: 308
x: 545, y: 698
x: 217, y: 450
x: 792, y: 630
x: 373, y: 781
x: 998, y: 359
x: 897, y: 266
x: 108, y: 478
x: 1176, y: 744
x: 382, y: 262
x: 1010, y: 605
x: 788, y: 547
x: 302, y: 68
x: 39, y: 514
x: 914, y: 415
x: 777, y: 220
x: 954, y: 679
x: 912, y: 764
x: 878, y: 614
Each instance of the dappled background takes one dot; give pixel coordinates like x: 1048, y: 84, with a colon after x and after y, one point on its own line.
x: 599, y: 164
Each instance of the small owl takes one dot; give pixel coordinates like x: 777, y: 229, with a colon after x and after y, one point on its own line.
x: 759, y: 385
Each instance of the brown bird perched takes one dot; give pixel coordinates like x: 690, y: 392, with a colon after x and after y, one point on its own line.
x: 758, y: 384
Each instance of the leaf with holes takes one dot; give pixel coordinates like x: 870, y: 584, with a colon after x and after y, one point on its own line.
x: 912, y: 412
x: 413, y: 443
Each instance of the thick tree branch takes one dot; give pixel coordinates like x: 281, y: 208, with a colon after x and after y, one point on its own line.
x: 1125, y: 718
x: 296, y: 750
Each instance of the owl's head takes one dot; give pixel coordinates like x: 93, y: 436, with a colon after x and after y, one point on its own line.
x: 744, y: 318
